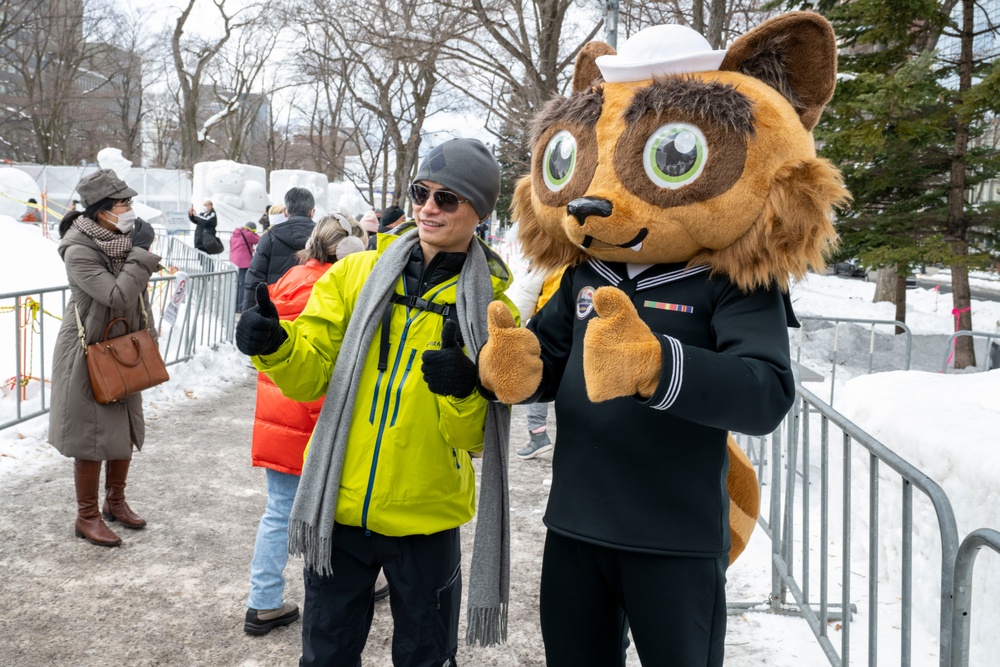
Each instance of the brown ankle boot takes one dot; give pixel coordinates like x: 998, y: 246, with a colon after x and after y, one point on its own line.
x: 115, y: 508
x: 89, y: 526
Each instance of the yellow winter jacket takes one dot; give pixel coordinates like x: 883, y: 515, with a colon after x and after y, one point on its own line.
x: 407, y: 469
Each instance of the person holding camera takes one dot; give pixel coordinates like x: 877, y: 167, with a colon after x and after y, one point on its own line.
x: 108, y: 273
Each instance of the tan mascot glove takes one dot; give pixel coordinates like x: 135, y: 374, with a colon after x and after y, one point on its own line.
x: 510, y: 363
x: 621, y: 355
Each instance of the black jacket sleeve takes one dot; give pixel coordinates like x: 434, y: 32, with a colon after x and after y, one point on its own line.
x: 257, y: 271
x: 747, y: 380
x: 553, y: 325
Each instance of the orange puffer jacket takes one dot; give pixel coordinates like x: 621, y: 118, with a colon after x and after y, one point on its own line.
x: 281, y: 426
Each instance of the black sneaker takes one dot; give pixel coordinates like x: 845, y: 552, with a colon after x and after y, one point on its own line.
x: 539, y: 444
x: 262, y: 621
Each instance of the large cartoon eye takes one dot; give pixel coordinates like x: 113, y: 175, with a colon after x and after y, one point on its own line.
x: 559, y: 160
x: 675, y: 155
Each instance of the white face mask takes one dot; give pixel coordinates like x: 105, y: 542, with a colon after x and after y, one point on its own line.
x: 276, y: 218
x: 126, y: 221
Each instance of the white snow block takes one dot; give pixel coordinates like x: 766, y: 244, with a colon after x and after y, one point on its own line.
x: 283, y: 180
x: 344, y: 196
x: 238, y: 192
x: 16, y: 187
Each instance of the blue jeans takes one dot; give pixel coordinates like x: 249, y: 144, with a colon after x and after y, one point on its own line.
x: 270, y: 551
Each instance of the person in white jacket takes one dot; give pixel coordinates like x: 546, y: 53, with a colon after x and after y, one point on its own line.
x: 525, y: 292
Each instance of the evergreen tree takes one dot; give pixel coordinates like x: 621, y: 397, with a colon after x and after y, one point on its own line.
x: 904, y: 126
x: 514, y: 157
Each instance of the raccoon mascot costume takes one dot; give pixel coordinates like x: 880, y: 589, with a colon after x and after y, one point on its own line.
x: 681, y: 187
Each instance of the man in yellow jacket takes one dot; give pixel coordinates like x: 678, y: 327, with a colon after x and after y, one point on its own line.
x: 389, y: 337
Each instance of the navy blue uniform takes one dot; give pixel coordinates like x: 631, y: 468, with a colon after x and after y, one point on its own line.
x: 649, y: 476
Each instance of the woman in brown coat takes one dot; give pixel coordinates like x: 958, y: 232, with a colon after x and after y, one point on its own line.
x: 108, y: 276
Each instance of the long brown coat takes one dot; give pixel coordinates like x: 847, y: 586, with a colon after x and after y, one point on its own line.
x: 79, y: 427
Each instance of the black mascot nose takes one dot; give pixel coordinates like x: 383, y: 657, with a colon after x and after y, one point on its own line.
x: 584, y: 207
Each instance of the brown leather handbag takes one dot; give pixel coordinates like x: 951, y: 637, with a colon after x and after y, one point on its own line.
x: 123, y: 365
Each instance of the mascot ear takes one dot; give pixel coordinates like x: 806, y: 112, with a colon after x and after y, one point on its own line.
x: 796, y: 54
x: 586, y: 72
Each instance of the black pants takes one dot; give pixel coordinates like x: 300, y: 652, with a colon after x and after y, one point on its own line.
x: 591, y: 594
x: 425, y: 593
x: 241, y: 278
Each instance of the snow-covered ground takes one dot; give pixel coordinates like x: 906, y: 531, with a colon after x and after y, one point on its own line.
x: 945, y: 424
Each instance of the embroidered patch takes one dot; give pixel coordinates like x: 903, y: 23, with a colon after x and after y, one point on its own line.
x: 584, y: 302
x: 660, y: 305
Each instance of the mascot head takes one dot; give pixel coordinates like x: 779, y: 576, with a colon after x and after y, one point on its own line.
x: 671, y: 152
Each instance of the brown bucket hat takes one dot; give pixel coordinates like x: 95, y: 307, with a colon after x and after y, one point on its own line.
x: 103, y: 184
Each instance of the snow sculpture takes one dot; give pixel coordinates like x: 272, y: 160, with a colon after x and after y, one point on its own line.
x: 283, y: 180
x: 343, y: 196
x: 238, y: 192
x: 16, y: 188
x: 112, y: 158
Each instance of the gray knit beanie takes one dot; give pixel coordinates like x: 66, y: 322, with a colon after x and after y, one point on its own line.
x: 466, y: 167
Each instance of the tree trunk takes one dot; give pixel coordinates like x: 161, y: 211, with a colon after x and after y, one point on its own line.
x: 900, y: 302
x: 965, y: 353
x: 698, y: 16
x: 885, y: 285
x: 716, y: 23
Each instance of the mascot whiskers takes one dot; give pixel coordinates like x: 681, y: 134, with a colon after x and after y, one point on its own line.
x: 681, y: 188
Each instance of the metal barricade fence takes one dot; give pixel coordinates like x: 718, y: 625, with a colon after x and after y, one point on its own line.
x: 179, y: 255
x: 964, y: 562
x: 871, y: 324
x: 983, y: 365
x: 205, y: 318
x: 802, y: 522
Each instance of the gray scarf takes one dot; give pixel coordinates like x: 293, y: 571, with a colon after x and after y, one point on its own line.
x: 310, y: 530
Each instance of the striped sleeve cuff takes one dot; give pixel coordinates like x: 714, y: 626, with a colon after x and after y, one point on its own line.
x: 672, y: 376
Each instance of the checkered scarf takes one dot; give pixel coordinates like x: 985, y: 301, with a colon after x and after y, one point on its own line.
x: 115, y: 246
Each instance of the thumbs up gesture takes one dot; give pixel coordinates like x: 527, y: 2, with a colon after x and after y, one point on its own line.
x: 258, y: 331
x: 448, y: 372
x: 510, y: 363
x: 621, y: 355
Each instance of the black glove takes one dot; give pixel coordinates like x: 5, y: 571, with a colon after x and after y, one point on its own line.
x: 258, y: 331
x: 448, y: 372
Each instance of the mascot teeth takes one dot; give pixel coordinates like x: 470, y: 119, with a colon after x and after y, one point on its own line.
x: 637, y: 247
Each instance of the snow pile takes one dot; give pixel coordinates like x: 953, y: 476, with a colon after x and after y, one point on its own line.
x: 927, y: 310
x: 946, y: 426
x: 24, y: 448
x: 28, y: 260
x: 238, y: 192
x: 16, y: 188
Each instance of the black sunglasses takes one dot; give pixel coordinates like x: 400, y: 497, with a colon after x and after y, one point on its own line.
x: 446, y: 200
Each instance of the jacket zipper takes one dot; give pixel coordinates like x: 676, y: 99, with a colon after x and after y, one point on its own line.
x: 385, y: 407
x: 399, y: 389
x: 381, y: 427
x: 378, y: 383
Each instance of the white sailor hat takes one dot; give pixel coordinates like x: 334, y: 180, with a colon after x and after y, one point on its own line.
x: 658, y: 50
